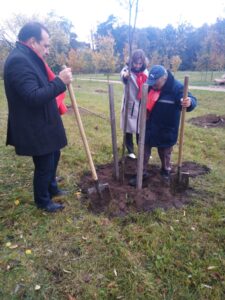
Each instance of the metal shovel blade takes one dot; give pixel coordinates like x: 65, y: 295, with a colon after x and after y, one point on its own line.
x: 98, y: 188
x: 101, y: 190
x: 179, y: 182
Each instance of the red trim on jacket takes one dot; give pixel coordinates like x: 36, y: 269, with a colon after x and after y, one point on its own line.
x: 153, y: 96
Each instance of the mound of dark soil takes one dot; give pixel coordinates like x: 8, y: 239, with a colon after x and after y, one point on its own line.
x: 156, y: 191
x: 209, y: 120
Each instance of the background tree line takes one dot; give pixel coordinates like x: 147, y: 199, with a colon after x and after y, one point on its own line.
x: 183, y: 48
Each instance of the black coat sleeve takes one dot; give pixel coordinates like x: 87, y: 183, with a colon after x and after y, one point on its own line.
x: 31, y: 87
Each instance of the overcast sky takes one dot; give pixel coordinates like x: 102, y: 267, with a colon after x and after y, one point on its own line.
x: 87, y: 14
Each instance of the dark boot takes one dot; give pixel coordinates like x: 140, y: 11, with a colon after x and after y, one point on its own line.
x: 165, y: 157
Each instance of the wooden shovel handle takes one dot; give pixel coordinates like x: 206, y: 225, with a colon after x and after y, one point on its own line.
x: 183, y: 112
x: 82, y: 132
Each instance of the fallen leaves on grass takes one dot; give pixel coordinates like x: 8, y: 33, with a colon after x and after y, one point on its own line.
x: 66, y: 271
x: 78, y: 195
x: 37, y: 287
x: 206, y: 286
x: 17, y: 202
x: 13, y: 246
x: 70, y: 221
x: 87, y: 278
x: 112, y: 285
x: 211, y: 267
x: 105, y: 222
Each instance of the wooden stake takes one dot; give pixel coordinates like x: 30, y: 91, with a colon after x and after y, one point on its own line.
x: 141, y: 139
x: 113, y: 132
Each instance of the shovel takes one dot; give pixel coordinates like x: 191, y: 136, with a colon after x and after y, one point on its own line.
x: 179, y: 182
x: 102, y: 190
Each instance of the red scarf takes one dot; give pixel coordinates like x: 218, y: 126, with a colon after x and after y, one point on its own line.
x: 153, y: 96
x: 60, y: 98
x: 140, y: 79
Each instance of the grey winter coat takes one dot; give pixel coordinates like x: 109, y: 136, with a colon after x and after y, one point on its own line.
x: 134, y: 102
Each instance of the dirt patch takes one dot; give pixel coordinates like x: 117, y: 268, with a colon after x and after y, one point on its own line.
x: 209, y: 120
x: 156, y: 192
x: 82, y: 111
x: 101, y: 91
x: 194, y: 169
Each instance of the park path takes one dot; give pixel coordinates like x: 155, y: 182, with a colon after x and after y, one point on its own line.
x: 191, y: 87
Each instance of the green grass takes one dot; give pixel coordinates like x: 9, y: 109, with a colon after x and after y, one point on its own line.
x: 174, y: 254
x: 196, y: 78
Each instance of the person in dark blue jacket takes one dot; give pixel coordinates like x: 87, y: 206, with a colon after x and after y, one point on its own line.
x: 163, y: 115
x: 35, y: 127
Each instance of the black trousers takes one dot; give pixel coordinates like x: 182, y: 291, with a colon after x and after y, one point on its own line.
x: 129, y: 142
x: 44, y: 181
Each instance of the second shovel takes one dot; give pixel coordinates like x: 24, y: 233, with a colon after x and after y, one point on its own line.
x: 179, y: 182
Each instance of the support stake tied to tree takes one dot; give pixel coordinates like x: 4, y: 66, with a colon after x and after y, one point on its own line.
x: 127, y: 91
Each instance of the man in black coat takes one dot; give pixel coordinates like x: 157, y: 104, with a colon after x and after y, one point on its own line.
x: 164, y: 105
x: 163, y: 120
x: 35, y: 127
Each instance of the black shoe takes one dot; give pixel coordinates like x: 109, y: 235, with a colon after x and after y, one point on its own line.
x: 52, y: 207
x: 60, y: 193
x: 133, y: 181
x: 165, y: 174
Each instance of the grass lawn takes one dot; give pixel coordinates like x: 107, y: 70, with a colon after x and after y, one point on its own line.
x: 196, y: 78
x: 173, y: 254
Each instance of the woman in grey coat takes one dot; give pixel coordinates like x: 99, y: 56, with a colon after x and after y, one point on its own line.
x: 136, y: 77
